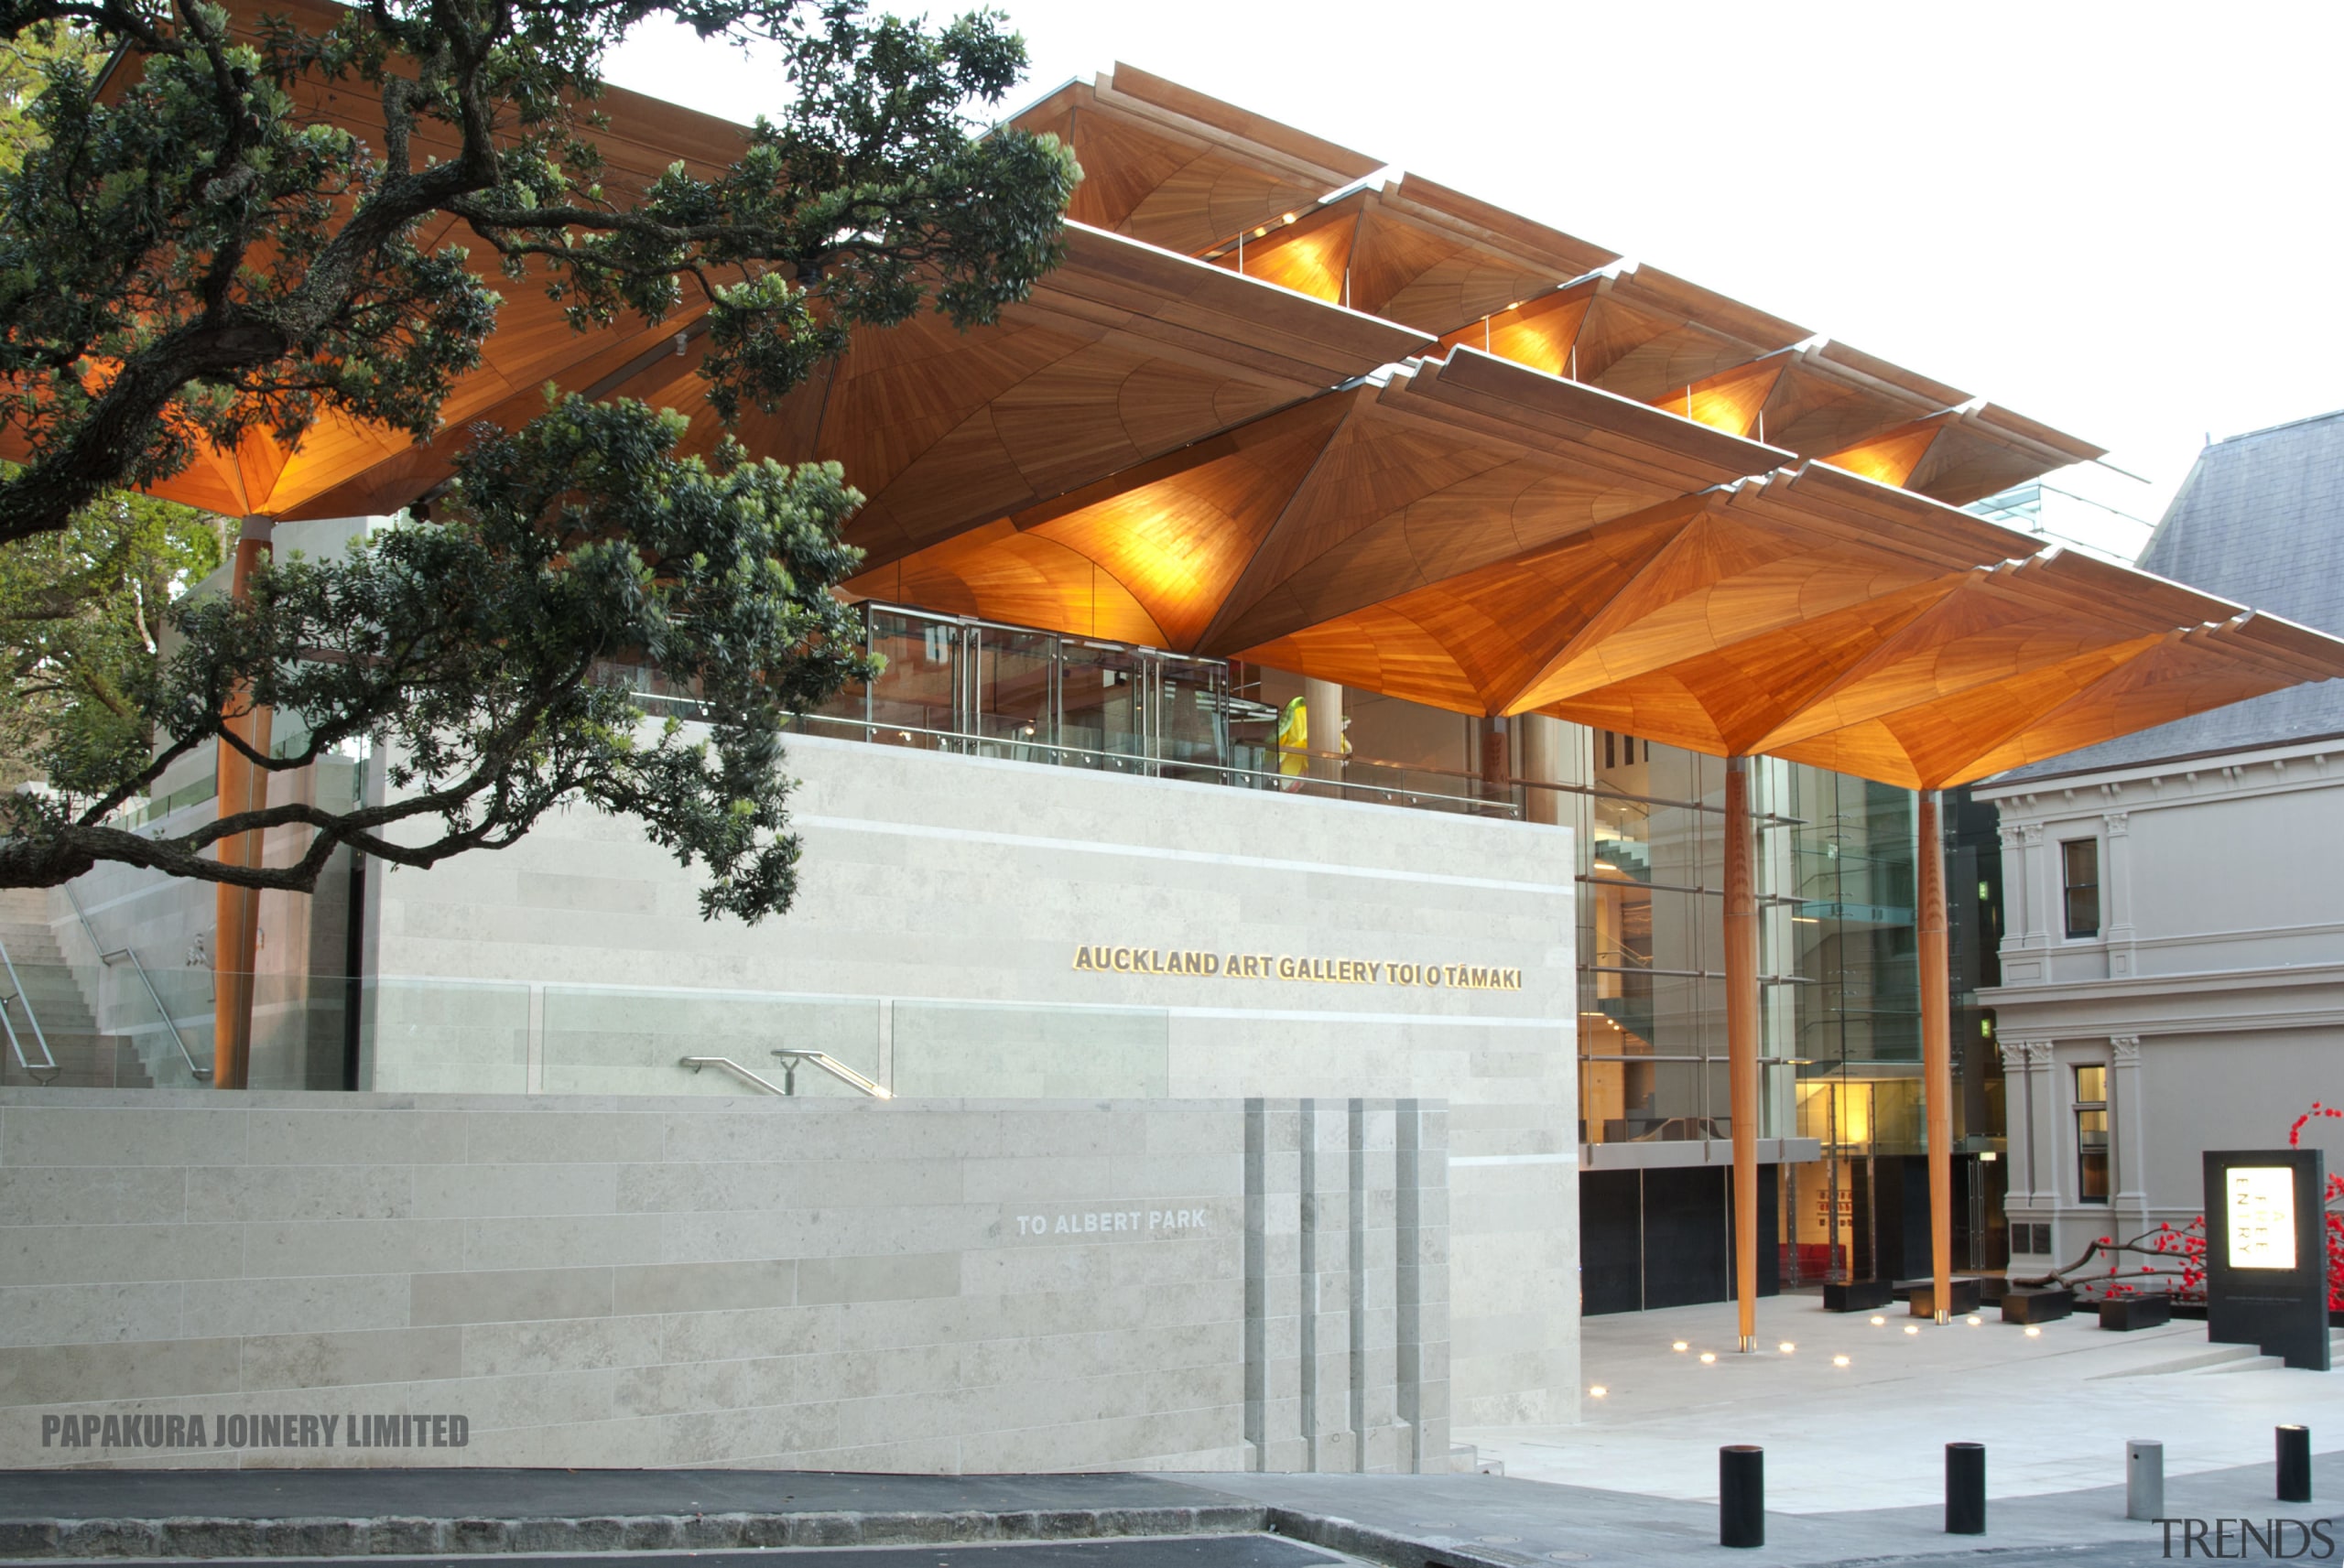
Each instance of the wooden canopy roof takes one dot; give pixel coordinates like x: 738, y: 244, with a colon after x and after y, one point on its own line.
x: 1477, y: 536
x: 339, y: 468
x: 1397, y: 437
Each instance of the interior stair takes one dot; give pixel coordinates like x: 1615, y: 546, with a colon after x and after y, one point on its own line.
x: 53, y: 994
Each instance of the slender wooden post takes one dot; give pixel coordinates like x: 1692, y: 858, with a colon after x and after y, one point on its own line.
x: 237, y: 911
x: 1936, y: 1051
x: 1741, y: 1015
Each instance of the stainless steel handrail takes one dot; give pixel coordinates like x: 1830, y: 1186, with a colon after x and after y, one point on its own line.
x: 47, y: 1062
x: 791, y: 1061
x: 108, y: 957
x: 730, y: 1066
x: 832, y: 1065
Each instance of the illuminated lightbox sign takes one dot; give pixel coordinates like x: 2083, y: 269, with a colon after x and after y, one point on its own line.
x: 2262, y: 1207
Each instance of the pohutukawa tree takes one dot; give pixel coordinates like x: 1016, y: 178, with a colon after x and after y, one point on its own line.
x: 187, y: 256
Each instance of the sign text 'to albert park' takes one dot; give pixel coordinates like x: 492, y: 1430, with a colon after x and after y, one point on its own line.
x: 1203, y: 965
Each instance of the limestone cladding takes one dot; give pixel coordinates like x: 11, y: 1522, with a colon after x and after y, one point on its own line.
x: 971, y: 926
x: 926, y: 1285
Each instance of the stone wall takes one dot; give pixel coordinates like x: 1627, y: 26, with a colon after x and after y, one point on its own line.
x: 919, y: 1285
x: 945, y: 909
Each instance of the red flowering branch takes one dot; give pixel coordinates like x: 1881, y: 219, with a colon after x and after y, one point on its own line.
x: 2179, y: 1251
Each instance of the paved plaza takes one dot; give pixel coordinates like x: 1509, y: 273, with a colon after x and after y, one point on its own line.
x: 2054, y: 1410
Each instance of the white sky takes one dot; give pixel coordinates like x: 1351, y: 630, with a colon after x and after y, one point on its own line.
x: 2118, y: 219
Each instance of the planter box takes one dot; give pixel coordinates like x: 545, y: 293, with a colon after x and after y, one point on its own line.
x: 1922, y: 1294
x: 1857, y: 1295
x: 2122, y: 1314
x: 2037, y: 1305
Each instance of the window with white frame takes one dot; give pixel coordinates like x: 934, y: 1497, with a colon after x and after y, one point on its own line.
x: 2079, y: 878
x: 2091, y: 1134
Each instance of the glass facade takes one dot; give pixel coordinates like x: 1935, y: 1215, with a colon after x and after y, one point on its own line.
x: 1836, y: 882
x: 1836, y: 871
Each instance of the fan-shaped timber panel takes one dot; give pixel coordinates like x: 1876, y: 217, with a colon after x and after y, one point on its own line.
x: 1937, y: 741
x: 2185, y: 674
x: 1496, y: 624
x: 1180, y: 171
x: 1730, y: 575
x: 1311, y: 256
x: 1746, y: 688
x: 1376, y: 649
x: 995, y: 573
x: 1990, y: 629
x: 1178, y: 540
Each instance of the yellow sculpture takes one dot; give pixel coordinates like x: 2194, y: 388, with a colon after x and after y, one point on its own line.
x: 1294, y: 745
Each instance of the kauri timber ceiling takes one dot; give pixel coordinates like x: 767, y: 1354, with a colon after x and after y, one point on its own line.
x: 1391, y: 435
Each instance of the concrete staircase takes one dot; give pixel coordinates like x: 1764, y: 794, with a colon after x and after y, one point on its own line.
x: 53, y: 994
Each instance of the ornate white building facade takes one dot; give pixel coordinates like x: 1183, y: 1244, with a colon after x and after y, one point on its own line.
x: 2172, y: 949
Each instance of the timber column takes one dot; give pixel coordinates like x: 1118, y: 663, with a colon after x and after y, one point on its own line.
x: 242, y: 787
x: 1742, y: 1017
x: 1936, y: 1051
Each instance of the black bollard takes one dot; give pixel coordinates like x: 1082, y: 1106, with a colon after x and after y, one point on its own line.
x: 2295, y: 1463
x: 1742, y: 1494
x: 1965, y: 1488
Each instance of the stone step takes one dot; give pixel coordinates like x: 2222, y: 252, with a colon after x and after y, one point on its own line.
x: 24, y: 907
x: 2213, y: 1358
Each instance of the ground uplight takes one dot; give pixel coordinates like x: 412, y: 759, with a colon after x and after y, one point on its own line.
x: 1785, y: 1348
x: 1912, y: 1328
x: 1973, y: 1320
x: 1876, y: 1322
x: 1598, y: 1390
x: 1708, y: 1356
x: 1680, y: 1345
x: 1838, y: 1360
x: 2033, y: 1331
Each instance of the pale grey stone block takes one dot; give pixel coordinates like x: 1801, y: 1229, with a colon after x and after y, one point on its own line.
x: 468, y: 1191
x: 161, y: 1134
x: 566, y: 890
x: 563, y: 1137
x: 76, y: 1254
x: 510, y: 1295
x: 79, y: 1194
x: 72, y: 1314
x: 809, y: 1184
x: 324, y: 1136
x: 95, y: 1374
x: 303, y: 1193
x: 343, y: 1360
x: 878, y: 1279
x: 328, y: 1303
x: 1020, y: 1183
x: 704, y: 1287
x: 822, y: 1379
x: 294, y: 1249
x: 550, y: 1241
x: 536, y: 1399
x: 562, y: 1345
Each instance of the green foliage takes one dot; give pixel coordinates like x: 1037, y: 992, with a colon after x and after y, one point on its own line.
x: 24, y: 65
x: 81, y: 614
x: 198, y: 253
x: 486, y: 652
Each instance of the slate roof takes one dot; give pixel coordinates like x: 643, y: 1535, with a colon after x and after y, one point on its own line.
x: 2259, y: 521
